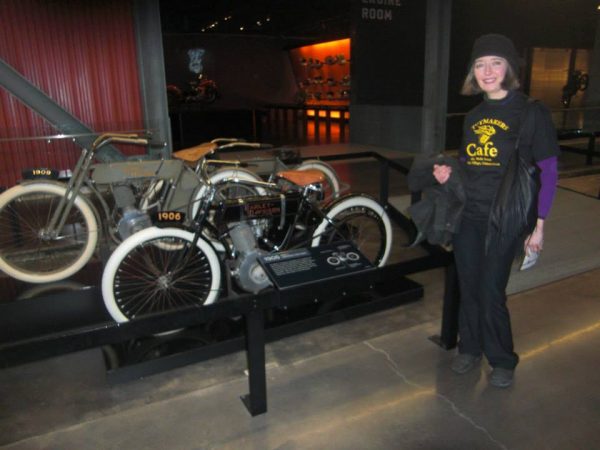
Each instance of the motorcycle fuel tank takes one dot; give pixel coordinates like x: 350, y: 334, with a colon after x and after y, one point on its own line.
x: 260, y: 207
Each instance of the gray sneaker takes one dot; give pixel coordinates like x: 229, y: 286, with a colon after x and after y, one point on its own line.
x: 464, y: 362
x: 501, y: 378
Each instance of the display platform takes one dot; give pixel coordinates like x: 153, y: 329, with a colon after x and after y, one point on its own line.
x: 75, y: 319
x: 43, y: 321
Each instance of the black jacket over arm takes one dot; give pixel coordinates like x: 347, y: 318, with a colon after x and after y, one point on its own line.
x: 437, y: 215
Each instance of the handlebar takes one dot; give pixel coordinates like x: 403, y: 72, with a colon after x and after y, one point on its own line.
x: 255, y: 145
x: 226, y: 162
x: 122, y: 138
x: 223, y: 140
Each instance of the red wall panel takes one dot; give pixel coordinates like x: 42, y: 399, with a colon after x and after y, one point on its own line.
x: 80, y: 53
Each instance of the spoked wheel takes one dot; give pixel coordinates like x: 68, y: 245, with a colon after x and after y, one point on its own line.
x: 227, y: 188
x: 232, y: 190
x: 151, y: 194
x: 28, y: 250
x: 331, y: 187
x: 361, y: 220
x: 157, y: 270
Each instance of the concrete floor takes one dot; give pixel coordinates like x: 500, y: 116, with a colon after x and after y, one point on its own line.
x: 376, y: 382
x: 357, y: 385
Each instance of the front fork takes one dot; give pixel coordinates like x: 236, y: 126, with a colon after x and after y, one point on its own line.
x: 65, y: 204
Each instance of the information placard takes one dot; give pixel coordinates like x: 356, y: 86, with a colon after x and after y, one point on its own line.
x: 307, y: 265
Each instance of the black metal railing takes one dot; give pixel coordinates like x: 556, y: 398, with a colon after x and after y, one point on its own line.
x: 305, y: 124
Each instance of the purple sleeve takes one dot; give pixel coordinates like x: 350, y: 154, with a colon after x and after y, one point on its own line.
x: 548, y: 179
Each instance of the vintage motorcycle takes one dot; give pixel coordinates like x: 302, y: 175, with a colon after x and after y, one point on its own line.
x: 165, y: 268
x: 200, y: 90
x: 49, y: 228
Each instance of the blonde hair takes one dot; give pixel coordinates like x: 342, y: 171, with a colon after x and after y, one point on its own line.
x: 470, y: 86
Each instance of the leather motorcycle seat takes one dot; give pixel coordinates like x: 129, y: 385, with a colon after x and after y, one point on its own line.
x: 196, y: 153
x: 302, y: 177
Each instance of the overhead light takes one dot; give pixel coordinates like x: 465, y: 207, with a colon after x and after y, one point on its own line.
x: 241, y: 28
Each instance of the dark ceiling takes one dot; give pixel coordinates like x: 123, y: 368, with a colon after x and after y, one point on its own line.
x: 290, y: 19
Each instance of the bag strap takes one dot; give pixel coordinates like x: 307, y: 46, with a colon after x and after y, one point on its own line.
x: 525, y: 114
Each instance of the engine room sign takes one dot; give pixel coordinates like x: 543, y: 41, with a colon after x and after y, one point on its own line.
x: 387, y: 34
x: 379, y: 10
x: 307, y: 265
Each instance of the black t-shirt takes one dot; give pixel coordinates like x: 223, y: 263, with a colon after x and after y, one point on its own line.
x: 490, y: 132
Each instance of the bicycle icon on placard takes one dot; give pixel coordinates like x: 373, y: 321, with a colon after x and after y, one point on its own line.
x: 338, y: 258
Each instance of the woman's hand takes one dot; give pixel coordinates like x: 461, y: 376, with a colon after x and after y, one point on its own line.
x: 535, y: 241
x: 441, y: 173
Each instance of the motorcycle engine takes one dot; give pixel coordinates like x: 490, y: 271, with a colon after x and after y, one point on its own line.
x: 247, y: 271
x: 133, y: 220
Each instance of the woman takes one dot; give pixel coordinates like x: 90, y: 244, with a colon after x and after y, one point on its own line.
x: 489, y: 135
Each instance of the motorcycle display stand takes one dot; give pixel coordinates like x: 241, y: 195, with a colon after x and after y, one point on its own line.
x: 72, y: 321
x: 589, y: 152
x: 60, y: 322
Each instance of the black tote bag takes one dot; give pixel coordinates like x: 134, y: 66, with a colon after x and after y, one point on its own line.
x: 514, y: 210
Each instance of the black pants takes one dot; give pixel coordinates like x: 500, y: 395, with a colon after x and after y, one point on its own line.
x: 484, y: 321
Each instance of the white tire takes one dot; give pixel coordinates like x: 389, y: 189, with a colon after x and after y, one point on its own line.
x: 25, y: 211
x: 332, y: 180
x: 360, y: 207
x: 220, y: 176
x: 141, y: 276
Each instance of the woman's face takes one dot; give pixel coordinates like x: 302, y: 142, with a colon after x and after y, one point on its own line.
x: 489, y: 72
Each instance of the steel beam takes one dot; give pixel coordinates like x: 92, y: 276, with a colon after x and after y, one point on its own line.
x: 435, y: 96
x: 152, y: 71
x: 61, y: 119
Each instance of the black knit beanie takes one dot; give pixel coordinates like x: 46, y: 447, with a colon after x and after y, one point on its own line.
x: 496, y: 45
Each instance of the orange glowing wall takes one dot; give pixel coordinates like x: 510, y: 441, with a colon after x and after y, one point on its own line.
x: 323, y: 72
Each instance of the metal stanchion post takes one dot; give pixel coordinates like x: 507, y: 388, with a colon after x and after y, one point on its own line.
x: 256, y: 399
x: 449, y: 332
x: 591, y: 149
